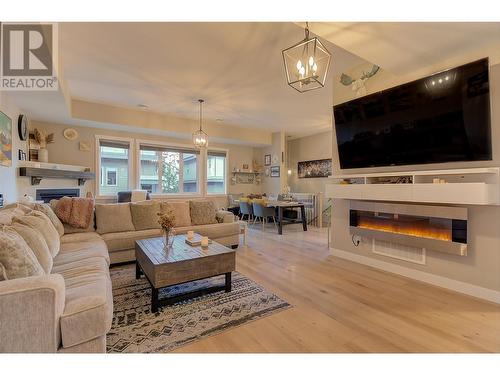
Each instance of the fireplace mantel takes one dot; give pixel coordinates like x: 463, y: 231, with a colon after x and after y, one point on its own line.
x: 470, y: 186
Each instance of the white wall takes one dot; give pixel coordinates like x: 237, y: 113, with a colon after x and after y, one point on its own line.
x: 274, y: 185
x: 481, y: 267
x: 8, y: 174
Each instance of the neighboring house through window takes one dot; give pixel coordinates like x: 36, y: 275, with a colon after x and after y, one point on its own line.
x: 114, y: 162
x: 216, y: 172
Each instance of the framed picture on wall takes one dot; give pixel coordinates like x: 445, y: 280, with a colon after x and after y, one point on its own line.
x: 315, y: 168
x: 5, y: 140
x: 267, y: 160
x: 275, y: 171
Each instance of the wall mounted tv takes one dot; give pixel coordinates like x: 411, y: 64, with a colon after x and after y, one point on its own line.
x: 441, y: 118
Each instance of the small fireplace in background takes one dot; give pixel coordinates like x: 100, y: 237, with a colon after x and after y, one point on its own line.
x: 47, y: 195
x: 439, y: 228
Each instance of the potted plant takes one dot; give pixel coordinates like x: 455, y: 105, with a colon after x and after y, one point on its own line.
x: 43, y: 139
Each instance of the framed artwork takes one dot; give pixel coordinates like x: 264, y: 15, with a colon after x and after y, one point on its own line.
x: 245, y: 167
x: 5, y: 140
x: 275, y: 171
x: 267, y: 172
x: 314, y: 168
x: 267, y: 160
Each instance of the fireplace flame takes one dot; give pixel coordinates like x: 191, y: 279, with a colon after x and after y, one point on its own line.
x: 416, y: 228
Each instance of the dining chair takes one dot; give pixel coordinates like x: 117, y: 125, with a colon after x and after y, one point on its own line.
x: 262, y: 212
x: 246, y: 210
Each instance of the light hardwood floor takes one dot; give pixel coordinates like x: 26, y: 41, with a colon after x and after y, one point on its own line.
x: 341, y: 306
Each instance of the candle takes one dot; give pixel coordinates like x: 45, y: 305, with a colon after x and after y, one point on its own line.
x: 204, y: 241
x: 190, y: 234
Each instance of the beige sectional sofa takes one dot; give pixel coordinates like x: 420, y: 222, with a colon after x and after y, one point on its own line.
x: 66, y: 308
x: 66, y: 303
x: 120, y: 235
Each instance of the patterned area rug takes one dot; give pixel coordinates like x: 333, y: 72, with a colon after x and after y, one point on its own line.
x: 136, y: 330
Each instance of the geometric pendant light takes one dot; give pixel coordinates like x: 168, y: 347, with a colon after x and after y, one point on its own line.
x: 306, y: 63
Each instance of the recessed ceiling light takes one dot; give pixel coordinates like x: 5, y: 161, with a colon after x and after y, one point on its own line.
x: 143, y: 106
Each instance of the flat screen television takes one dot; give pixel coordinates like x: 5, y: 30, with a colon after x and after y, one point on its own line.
x: 441, y: 118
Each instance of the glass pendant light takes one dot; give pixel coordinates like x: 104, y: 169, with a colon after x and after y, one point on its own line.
x: 306, y: 63
x: 200, y: 138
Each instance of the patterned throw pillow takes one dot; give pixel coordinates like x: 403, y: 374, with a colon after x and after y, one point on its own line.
x: 203, y: 212
x: 16, y: 258
x: 37, y: 244
x: 47, y: 210
x: 180, y: 210
x: 145, y: 214
x: 39, y: 221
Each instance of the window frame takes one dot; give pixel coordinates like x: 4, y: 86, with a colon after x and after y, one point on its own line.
x: 226, y: 171
x: 199, y: 177
x: 98, y: 167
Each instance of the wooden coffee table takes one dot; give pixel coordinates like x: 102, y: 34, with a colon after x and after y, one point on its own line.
x: 183, y: 263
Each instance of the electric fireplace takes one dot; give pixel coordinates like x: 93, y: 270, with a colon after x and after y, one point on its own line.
x: 439, y: 228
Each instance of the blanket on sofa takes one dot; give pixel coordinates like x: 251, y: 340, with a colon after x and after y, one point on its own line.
x: 74, y: 211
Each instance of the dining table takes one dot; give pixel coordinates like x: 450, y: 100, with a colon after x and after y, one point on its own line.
x: 281, y: 206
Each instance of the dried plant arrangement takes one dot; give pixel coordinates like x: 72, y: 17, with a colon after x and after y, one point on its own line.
x: 166, y: 221
x: 42, y: 138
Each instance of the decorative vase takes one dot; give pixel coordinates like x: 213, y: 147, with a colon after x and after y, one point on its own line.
x: 43, y: 155
x: 168, y: 238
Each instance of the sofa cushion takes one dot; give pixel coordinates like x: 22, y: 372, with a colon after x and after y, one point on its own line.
x: 180, y: 210
x: 145, y: 214
x: 75, y: 251
x: 89, y: 301
x: 10, y: 211
x: 37, y: 244
x: 16, y: 258
x: 47, y: 210
x: 80, y: 237
x: 68, y: 229
x: 39, y: 221
x: 202, y: 212
x: 113, y: 218
x: 126, y: 240
x: 212, y: 231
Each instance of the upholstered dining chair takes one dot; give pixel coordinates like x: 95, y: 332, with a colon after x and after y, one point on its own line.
x: 246, y: 210
x: 261, y: 212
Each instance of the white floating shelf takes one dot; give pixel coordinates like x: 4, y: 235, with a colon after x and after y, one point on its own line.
x: 474, y: 186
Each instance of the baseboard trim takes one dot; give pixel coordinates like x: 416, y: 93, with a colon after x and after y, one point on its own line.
x: 441, y: 281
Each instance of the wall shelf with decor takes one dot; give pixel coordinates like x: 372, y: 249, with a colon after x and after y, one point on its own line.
x: 470, y: 186
x: 245, y: 177
x: 38, y: 171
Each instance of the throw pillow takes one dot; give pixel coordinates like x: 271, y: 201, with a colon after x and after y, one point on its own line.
x: 39, y: 221
x: 47, y: 210
x: 115, y: 217
x: 37, y: 244
x: 68, y: 229
x: 203, y: 212
x: 180, y: 210
x: 16, y: 258
x: 145, y: 214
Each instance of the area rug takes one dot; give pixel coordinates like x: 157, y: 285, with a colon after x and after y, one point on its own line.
x: 136, y: 330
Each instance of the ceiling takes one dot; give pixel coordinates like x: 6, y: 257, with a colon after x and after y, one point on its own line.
x: 236, y: 67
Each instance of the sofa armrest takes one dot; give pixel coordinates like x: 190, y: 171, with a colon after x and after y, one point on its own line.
x: 225, y: 216
x: 30, y: 310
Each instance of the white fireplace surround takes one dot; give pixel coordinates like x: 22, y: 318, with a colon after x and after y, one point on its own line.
x: 469, y: 186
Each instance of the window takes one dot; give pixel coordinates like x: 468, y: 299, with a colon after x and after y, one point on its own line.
x: 216, y: 172
x: 168, y: 170
x: 114, y: 166
x: 111, y: 176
